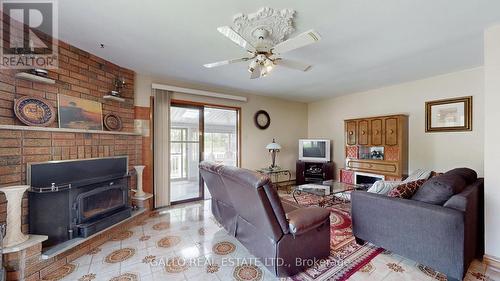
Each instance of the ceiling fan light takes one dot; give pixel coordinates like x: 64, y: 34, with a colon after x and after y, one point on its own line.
x: 252, y: 66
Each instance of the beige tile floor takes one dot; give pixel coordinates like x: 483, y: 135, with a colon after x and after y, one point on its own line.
x: 189, y: 231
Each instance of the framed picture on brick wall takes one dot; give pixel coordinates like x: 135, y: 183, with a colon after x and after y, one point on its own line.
x: 77, y: 113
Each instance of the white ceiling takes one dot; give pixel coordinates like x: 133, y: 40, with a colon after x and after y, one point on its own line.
x: 366, y: 44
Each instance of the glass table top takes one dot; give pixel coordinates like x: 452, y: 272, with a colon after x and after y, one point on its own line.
x: 327, y: 188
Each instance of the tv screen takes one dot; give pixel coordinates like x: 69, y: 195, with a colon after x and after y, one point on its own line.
x: 314, y: 149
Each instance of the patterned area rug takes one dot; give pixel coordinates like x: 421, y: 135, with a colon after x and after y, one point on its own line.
x: 346, y: 257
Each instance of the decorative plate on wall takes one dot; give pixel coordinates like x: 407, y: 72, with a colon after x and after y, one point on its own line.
x: 34, y: 111
x: 113, y: 122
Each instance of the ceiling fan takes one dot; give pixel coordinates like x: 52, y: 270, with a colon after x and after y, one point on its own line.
x: 263, y: 58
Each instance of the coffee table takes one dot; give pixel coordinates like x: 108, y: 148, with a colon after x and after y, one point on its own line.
x: 334, y: 192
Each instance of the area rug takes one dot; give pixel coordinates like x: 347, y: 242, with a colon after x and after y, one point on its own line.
x: 346, y: 257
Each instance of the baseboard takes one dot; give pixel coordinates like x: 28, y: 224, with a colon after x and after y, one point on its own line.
x: 492, y: 261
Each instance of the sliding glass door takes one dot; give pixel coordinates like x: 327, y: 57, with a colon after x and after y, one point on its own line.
x: 185, y: 147
x: 199, y: 132
x: 221, y: 136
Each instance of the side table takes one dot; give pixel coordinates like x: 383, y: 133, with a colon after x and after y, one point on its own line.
x: 275, y: 174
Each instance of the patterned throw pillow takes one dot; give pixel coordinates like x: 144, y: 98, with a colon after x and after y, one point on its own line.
x: 406, y: 190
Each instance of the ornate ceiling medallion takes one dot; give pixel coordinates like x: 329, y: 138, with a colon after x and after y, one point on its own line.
x: 268, y: 24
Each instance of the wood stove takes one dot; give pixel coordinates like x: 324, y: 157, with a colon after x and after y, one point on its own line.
x: 77, y: 198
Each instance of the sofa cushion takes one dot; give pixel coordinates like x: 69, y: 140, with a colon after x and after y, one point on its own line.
x: 407, y: 189
x: 467, y: 174
x: 440, y: 188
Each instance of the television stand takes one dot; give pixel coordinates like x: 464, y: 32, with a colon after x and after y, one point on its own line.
x: 313, y: 172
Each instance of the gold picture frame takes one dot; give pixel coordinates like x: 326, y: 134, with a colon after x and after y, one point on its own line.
x: 77, y: 113
x: 449, y: 115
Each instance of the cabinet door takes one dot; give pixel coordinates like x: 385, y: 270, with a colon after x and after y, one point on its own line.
x: 300, y: 172
x: 363, y: 132
x: 376, y: 132
x: 391, y: 131
x: 350, y: 130
x: 328, y: 169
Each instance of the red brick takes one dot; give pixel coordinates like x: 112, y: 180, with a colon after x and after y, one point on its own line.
x: 9, y: 134
x: 10, y: 151
x: 68, y: 53
x: 78, y: 76
x: 5, y: 170
x: 65, y: 136
x: 52, y: 267
x: 36, y: 134
x: 10, y: 142
x: 6, y: 87
x: 12, y: 178
x: 36, y: 158
x: 30, y: 92
x: 6, y: 96
x: 63, y: 142
x: 36, y: 150
x: 36, y: 142
x: 7, y: 112
x: 24, y: 83
x: 67, y: 79
x: 6, y: 104
x: 46, y: 87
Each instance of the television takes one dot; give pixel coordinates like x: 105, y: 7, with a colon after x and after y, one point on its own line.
x: 314, y: 150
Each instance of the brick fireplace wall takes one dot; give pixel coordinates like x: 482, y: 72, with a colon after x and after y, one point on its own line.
x: 82, y: 75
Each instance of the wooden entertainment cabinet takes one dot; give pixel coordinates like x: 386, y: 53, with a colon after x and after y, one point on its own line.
x: 313, y: 172
x: 366, y: 138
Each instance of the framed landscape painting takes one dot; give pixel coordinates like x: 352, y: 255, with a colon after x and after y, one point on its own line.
x: 449, y: 115
x: 76, y: 113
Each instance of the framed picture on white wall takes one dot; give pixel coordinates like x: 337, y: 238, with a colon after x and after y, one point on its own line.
x: 449, y: 115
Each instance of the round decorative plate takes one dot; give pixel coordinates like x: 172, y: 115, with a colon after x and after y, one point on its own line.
x: 34, y: 111
x: 113, y: 122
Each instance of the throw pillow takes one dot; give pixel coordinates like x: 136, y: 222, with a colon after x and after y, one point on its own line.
x: 406, y: 190
x: 419, y: 174
x: 439, y: 189
x: 383, y: 187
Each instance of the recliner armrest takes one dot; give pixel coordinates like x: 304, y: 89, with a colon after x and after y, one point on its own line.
x: 304, y: 219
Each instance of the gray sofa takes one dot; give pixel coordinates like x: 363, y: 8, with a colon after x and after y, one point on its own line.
x: 441, y: 226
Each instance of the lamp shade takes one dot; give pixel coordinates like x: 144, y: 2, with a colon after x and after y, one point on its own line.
x: 273, y: 145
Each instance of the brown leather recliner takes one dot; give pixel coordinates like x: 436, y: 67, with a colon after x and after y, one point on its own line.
x: 221, y: 206
x: 286, y: 243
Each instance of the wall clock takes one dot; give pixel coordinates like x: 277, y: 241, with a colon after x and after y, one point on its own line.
x: 262, y: 119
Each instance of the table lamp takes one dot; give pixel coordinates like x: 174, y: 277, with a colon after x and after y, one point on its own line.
x: 273, y: 148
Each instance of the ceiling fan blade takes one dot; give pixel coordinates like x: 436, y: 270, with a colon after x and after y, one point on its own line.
x: 257, y: 72
x: 296, y: 42
x: 293, y: 64
x: 236, y: 38
x: 224, y: 62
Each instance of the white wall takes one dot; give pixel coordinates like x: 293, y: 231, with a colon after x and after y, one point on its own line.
x: 288, y: 123
x: 142, y: 90
x: 492, y: 137
x: 437, y: 151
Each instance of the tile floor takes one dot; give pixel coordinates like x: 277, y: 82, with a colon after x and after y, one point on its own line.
x: 150, y: 251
